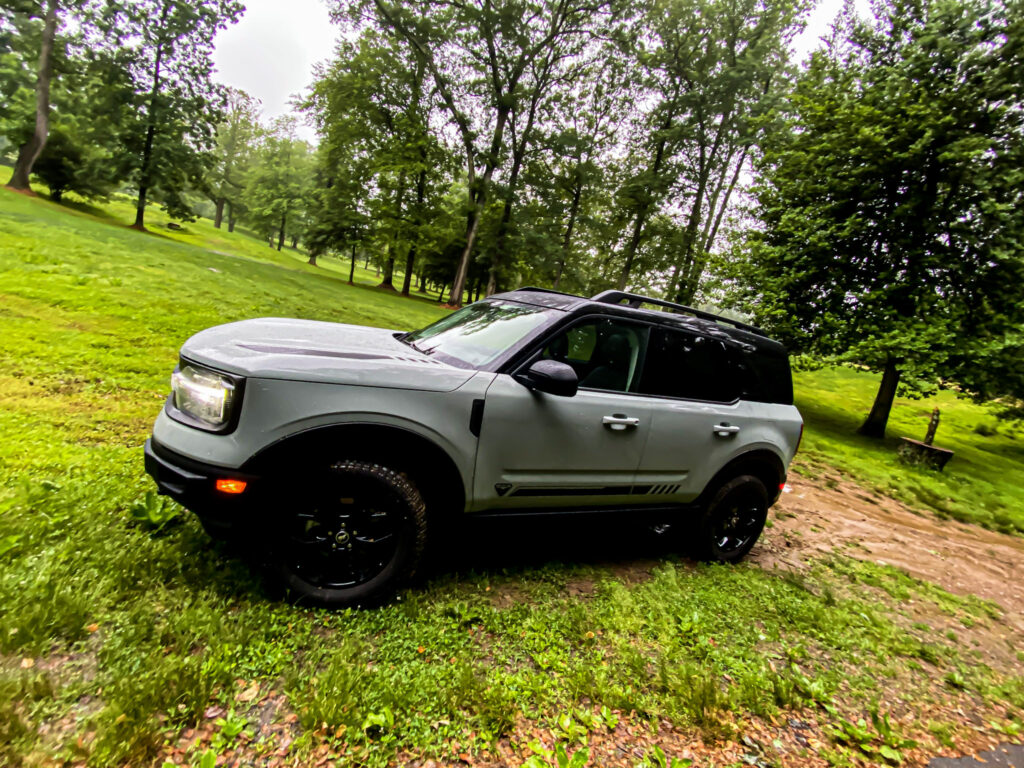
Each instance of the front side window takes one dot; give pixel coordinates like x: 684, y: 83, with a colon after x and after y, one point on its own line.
x: 690, y: 366
x: 478, y: 334
x: 605, y: 353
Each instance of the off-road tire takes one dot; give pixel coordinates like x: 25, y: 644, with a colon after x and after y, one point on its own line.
x: 314, y: 535
x: 731, y: 522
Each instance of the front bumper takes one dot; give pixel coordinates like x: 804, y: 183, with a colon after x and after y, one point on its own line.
x: 193, y: 484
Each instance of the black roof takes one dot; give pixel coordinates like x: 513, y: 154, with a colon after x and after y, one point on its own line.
x: 623, y: 303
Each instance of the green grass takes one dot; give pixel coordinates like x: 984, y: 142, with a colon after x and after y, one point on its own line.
x: 981, y: 484
x: 116, y: 636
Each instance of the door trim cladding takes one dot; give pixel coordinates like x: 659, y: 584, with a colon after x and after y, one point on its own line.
x: 253, y: 462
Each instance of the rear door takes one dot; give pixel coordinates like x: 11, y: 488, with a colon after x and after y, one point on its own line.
x: 697, y: 415
x: 540, y: 450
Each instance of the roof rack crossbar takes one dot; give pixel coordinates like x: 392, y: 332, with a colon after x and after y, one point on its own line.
x: 634, y: 301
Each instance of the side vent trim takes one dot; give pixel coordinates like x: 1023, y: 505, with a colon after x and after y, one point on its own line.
x: 476, y: 417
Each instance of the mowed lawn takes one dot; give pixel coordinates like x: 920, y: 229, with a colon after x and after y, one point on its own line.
x: 983, y: 483
x: 122, y: 643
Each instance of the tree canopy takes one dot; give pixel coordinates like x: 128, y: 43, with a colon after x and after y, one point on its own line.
x: 893, y: 202
x: 586, y: 144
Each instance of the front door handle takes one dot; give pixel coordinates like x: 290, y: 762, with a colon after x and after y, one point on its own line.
x: 724, y: 430
x: 619, y: 421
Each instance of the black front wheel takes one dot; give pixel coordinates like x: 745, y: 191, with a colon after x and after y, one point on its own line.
x: 356, y: 536
x: 733, y: 520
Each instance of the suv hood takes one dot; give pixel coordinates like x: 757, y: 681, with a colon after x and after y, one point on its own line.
x: 307, y: 350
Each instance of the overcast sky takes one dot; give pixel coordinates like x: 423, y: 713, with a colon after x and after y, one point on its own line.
x: 270, y: 53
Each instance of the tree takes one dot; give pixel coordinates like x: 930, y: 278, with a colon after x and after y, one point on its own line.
x: 706, y: 69
x: 236, y: 138
x: 32, y: 147
x: 374, y: 112
x: 168, y: 128
x: 279, y: 183
x: 70, y: 162
x: 478, y: 56
x: 893, y: 206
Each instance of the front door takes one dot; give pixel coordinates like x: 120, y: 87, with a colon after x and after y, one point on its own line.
x: 540, y: 450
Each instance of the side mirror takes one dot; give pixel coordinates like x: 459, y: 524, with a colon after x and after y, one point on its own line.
x: 550, y: 376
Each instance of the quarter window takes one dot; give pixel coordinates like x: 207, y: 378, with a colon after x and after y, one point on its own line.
x: 690, y: 366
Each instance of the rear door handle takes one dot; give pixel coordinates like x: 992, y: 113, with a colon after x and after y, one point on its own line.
x: 724, y: 430
x: 619, y: 421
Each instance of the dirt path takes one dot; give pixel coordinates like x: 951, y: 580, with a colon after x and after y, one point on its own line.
x: 815, y: 517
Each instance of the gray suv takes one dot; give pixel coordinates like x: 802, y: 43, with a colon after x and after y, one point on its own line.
x: 341, y: 449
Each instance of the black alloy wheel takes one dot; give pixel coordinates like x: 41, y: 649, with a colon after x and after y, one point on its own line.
x: 732, y: 522
x: 354, y: 540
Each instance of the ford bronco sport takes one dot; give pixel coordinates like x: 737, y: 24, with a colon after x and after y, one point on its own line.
x: 343, y: 447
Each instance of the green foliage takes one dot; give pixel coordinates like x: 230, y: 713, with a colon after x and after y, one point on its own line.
x: 153, y: 511
x: 658, y: 759
x: 165, y: 121
x: 278, y: 182
x: 891, y: 199
x: 559, y: 758
x: 882, y: 742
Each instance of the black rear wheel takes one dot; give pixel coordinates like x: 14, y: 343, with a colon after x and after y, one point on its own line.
x: 357, y: 536
x: 733, y: 520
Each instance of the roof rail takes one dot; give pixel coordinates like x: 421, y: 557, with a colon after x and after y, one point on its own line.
x: 535, y: 289
x: 634, y: 301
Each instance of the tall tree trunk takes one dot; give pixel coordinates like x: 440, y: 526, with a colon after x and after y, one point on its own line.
x: 389, y: 266
x: 295, y: 242
x: 147, y: 150
x: 387, y: 282
x: 638, y: 227
x: 694, y: 257
x: 691, y: 281
x: 312, y: 258
x: 280, y: 231
x: 218, y: 214
x: 231, y: 217
x: 874, y: 425
x: 29, y: 152
x: 644, y: 208
x: 518, y: 153
x: 567, y: 237
x: 410, y: 259
x: 352, y: 267
x: 478, y: 199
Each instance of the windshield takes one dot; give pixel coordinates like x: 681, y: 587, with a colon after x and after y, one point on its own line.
x: 476, y: 335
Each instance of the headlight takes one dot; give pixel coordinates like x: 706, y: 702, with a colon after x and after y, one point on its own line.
x: 204, y: 395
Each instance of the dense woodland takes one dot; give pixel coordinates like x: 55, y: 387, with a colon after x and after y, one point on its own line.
x: 864, y: 206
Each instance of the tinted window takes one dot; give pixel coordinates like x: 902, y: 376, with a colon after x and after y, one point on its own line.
x: 605, y: 353
x: 690, y: 366
x: 767, y: 378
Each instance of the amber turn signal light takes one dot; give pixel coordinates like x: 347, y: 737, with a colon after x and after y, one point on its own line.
x: 228, y: 485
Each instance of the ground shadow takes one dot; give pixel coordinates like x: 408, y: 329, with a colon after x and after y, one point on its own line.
x: 517, y: 544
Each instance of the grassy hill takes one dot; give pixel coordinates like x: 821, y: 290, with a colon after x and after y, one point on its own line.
x: 117, y: 636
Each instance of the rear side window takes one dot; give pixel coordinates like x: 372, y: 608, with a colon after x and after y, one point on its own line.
x: 690, y: 366
x: 766, y: 378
